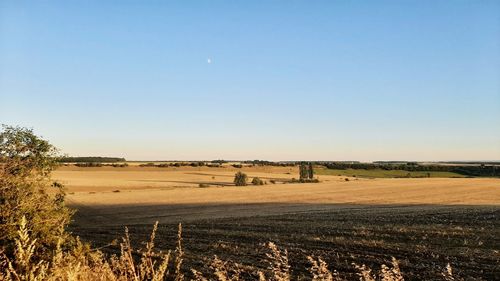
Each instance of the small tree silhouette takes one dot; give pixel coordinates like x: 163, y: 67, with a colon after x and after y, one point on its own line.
x: 303, y: 173
x: 310, y: 171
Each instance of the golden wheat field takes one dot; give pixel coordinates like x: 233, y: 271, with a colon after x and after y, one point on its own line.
x: 108, y: 186
x: 424, y: 222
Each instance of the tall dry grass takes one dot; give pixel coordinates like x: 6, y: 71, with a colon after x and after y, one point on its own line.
x: 80, y: 262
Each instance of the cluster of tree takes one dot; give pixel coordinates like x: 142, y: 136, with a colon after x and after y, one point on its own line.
x: 468, y: 170
x: 478, y: 171
x: 240, y: 179
x: 306, y: 171
x: 91, y: 159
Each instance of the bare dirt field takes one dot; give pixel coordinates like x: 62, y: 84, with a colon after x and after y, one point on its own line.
x: 425, y: 223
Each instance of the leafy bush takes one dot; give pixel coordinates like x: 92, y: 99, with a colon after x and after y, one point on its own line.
x: 26, y: 164
x: 257, y: 181
x: 294, y: 180
x: 240, y: 179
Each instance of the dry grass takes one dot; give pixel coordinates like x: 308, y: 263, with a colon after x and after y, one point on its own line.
x: 319, y: 270
x: 81, y: 263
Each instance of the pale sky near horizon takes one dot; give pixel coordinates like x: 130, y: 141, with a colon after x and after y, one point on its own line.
x: 275, y: 80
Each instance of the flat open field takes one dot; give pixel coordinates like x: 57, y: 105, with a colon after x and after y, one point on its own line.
x: 424, y: 222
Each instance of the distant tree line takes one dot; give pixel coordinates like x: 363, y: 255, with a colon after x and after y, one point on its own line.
x: 269, y: 163
x: 96, y: 164
x: 467, y: 170
x: 472, y: 162
x: 181, y: 164
x: 91, y: 159
x: 220, y: 161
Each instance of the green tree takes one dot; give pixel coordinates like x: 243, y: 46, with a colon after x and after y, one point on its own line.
x: 303, y: 173
x: 310, y: 171
x: 26, y: 190
x: 240, y: 179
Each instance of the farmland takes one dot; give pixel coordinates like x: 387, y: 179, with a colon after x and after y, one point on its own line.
x: 423, y: 222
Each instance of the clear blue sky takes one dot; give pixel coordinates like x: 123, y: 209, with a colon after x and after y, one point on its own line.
x: 287, y: 80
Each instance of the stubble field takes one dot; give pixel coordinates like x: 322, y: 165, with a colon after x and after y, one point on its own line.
x: 424, y: 223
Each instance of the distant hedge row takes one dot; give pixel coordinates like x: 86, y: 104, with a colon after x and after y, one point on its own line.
x: 91, y: 159
x: 96, y: 164
x: 269, y: 163
x: 181, y: 164
x: 467, y: 170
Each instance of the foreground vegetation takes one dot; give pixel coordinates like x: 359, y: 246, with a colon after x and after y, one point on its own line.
x: 82, y: 263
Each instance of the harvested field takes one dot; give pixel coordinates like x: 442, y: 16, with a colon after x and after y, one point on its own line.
x: 425, y: 223
x: 423, y: 238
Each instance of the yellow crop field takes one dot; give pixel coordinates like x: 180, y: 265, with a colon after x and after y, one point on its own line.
x: 371, y: 217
